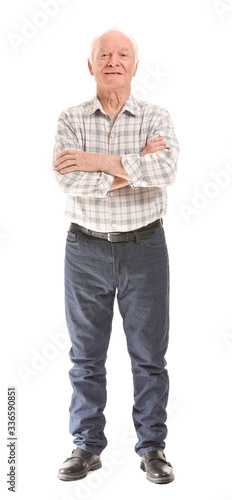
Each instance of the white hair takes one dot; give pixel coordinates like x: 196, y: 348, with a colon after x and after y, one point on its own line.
x: 134, y: 44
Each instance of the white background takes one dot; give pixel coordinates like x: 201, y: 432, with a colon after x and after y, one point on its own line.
x: 185, y: 66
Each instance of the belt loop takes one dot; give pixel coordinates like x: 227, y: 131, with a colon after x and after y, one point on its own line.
x: 87, y: 235
x: 137, y: 237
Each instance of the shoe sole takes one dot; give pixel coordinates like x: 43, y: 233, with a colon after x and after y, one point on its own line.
x: 75, y: 477
x: 158, y: 480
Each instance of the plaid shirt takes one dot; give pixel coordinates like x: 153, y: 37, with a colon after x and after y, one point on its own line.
x: 87, y: 127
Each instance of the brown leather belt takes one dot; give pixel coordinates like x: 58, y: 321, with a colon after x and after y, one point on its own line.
x: 143, y: 233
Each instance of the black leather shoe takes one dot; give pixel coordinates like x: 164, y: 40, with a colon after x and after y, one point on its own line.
x: 158, y: 470
x: 78, y: 465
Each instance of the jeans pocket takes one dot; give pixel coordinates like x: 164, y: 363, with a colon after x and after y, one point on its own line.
x: 156, y: 240
x: 75, y: 238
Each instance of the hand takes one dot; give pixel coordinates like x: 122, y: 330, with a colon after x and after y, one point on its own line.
x: 71, y: 160
x: 154, y: 146
x: 68, y: 161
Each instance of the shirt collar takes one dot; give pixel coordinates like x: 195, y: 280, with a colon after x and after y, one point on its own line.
x: 130, y: 105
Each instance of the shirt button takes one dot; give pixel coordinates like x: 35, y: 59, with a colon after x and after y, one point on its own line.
x: 114, y: 224
x: 112, y: 135
x: 111, y: 194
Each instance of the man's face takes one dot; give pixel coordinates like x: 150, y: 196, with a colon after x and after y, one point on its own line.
x: 113, y: 64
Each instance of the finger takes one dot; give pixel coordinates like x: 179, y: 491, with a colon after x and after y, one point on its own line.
x: 151, y: 146
x: 68, y: 163
x: 68, y: 170
x: 156, y: 139
x: 63, y: 159
x: 66, y: 151
x: 156, y: 149
x: 155, y: 144
x: 152, y: 149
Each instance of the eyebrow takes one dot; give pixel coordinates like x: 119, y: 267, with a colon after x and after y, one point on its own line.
x: 107, y: 50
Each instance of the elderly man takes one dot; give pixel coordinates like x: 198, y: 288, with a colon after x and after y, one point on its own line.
x: 114, y: 157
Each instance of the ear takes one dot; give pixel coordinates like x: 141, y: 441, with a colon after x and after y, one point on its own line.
x: 90, y: 67
x: 136, y: 67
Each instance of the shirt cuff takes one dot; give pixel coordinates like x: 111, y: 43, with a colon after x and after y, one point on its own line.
x: 131, y: 163
x: 105, y: 183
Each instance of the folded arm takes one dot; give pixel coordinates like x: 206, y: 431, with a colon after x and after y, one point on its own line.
x: 155, y: 168
x: 69, y: 161
x: 77, y: 182
x: 93, y: 174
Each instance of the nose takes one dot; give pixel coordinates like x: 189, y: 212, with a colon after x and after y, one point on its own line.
x: 113, y: 60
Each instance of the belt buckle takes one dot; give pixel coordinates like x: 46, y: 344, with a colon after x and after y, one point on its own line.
x: 109, y: 235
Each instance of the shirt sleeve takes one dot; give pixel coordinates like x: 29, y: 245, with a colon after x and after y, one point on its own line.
x: 85, y: 184
x: 155, y: 169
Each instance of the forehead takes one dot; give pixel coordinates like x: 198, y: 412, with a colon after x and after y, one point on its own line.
x: 112, y: 41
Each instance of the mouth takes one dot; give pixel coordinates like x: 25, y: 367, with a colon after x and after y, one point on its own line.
x: 112, y: 73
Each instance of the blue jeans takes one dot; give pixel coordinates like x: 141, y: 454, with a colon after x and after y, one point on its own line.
x: 139, y: 271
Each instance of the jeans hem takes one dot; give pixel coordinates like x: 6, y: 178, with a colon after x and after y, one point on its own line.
x: 87, y: 448
x: 147, y: 450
